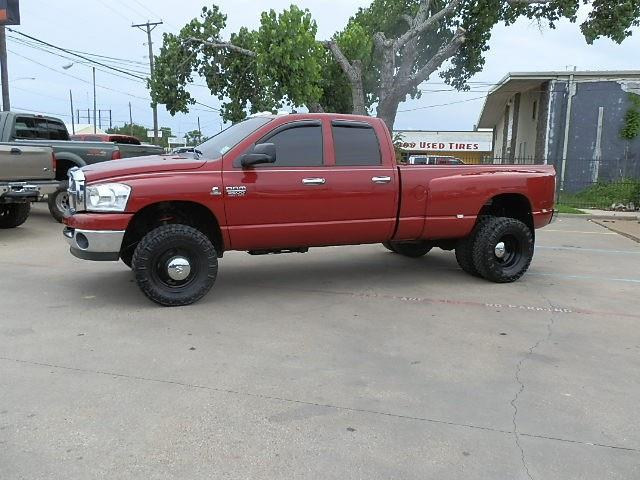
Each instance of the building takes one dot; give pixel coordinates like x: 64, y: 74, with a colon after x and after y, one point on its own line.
x: 569, y: 119
x: 470, y: 147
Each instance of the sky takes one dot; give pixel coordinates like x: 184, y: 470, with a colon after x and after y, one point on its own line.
x: 39, y: 83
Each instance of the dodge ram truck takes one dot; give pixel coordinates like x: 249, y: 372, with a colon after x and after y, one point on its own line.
x: 26, y: 175
x: 280, y: 184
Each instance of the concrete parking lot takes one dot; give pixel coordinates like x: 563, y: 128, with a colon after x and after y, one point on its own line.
x: 344, y: 363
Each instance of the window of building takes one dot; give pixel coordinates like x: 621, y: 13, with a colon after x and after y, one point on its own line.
x: 535, y: 109
x: 298, y: 146
x: 356, y: 144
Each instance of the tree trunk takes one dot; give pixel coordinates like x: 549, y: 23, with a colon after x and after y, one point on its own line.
x: 387, y: 110
x: 357, y: 91
x: 315, y: 107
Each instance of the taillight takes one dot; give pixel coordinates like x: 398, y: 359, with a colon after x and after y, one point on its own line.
x: 116, y: 155
x: 54, y: 162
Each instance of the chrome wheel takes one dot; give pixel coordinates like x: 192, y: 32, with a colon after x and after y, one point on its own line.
x: 178, y: 269
x: 62, y: 202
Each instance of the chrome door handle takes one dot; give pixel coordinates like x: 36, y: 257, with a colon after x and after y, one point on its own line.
x: 314, y: 181
x: 381, y: 179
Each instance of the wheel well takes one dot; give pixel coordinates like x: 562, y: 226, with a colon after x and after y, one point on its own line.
x: 62, y: 167
x: 512, y: 205
x: 164, y: 213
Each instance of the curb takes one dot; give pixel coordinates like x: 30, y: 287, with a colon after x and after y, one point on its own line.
x: 589, y: 216
x: 619, y: 232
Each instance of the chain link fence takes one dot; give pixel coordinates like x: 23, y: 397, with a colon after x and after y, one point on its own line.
x: 606, y: 184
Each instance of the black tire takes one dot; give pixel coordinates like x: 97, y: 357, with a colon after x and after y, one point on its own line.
x: 388, y: 246
x: 411, y: 250
x: 59, y: 203
x: 464, y: 249
x: 507, y: 264
x: 127, y: 257
x: 13, y: 215
x: 165, y: 244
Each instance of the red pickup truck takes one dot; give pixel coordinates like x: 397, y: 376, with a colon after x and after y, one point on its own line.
x: 279, y: 184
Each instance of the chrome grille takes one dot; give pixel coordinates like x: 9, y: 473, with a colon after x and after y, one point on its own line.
x: 76, y: 190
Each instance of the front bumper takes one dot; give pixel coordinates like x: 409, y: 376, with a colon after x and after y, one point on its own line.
x: 101, y: 245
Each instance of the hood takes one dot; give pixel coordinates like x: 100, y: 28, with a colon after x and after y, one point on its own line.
x: 140, y: 165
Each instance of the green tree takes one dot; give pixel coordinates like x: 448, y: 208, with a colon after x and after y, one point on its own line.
x: 135, y: 130
x: 378, y: 60
x: 140, y: 132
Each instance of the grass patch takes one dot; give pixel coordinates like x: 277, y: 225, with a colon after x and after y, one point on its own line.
x: 604, y: 194
x: 568, y: 209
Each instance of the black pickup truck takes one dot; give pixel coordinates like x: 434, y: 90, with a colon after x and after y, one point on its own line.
x: 49, y: 131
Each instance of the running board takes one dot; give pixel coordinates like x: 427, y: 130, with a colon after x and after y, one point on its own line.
x: 278, y: 251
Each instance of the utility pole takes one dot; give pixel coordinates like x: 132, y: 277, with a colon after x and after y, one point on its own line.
x: 73, y: 122
x: 199, y: 131
x: 95, y: 106
x: 4, y: 70
x: 150, y: 27
x: 130, y: 120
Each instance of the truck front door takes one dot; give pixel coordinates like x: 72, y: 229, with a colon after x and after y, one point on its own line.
x: 304, y: 199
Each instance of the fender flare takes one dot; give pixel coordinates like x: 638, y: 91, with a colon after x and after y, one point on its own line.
x: 72, y: 158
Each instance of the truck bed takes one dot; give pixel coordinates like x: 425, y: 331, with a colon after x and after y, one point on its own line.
x: 444, y: 201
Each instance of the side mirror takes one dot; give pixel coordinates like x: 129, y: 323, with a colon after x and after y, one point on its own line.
x: 261, y: 153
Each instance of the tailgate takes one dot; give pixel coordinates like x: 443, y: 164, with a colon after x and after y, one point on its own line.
x: 25, y: 162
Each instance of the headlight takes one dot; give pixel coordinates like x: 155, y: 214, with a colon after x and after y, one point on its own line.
x: 107, y: 197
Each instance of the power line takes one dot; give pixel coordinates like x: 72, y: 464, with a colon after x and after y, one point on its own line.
x: 442, y: 104
x: 71, y: 53
x: 117, y: 12
x: 66, y: 57
x: 78, y: 78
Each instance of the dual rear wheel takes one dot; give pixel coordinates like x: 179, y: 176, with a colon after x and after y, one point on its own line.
x: 499, y: 249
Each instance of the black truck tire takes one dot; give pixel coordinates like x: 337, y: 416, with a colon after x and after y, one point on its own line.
x: 13, y: 215
x: 464, y: 249
x: 503, y: 249
x: 411, y: 250
x: 175, y: 265
x: 59, y: 202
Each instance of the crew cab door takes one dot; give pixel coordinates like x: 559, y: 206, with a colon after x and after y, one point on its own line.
x: 303, y: 198
x: 25, y: 162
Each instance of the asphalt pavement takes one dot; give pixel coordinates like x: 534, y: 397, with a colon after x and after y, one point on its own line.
x: 343, y: 363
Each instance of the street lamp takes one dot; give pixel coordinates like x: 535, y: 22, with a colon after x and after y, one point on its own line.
x: 95, y: 113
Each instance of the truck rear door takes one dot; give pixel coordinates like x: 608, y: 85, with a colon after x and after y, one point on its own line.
x: 25, y: 162
x: 363, y: 185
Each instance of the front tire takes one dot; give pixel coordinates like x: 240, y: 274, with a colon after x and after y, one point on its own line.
x: 13, y: 215
x: 175, y: 265
x: 59, y: 203
x: 503, y: 249
x: 411, y: 250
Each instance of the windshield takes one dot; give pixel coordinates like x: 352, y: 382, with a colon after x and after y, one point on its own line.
x: 229, y: 138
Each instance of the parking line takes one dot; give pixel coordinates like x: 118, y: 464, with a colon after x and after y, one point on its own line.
x: 577, y: 231
x: 468, y: 303
x: 585, y: 277
x: 594, y: 250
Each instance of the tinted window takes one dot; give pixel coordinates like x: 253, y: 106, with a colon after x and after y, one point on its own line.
x: 30, y: 127
x: 224, y: 141
x: 57, y: 131
x: 298, y: 146
x: 356, y: 146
